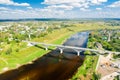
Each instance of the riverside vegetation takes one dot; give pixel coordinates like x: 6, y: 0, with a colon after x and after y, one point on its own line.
x: 97, y: 39
x: 14, y: 52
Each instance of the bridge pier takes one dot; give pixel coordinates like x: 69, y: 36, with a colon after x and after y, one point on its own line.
x: 78, y: 52
x: 61, y: 50
x: 46, y: 47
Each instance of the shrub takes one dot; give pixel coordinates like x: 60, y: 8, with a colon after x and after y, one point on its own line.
x: 9, y: 51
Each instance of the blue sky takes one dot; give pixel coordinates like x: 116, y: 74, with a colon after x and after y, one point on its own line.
x: 17, y: 9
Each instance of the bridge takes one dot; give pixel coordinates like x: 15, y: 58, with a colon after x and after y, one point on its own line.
x: 76, y: 49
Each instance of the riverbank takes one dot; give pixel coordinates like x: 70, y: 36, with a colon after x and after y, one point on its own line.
x: 52, y: 65
x: 29, y: 54
x: 88, y: 67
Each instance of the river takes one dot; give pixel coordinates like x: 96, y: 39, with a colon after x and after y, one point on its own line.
x: 52, y: 66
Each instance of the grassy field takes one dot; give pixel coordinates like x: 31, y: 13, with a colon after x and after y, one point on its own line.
x: 28, y: 54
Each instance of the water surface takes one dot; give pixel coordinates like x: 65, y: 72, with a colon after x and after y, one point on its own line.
x: 52, y: 66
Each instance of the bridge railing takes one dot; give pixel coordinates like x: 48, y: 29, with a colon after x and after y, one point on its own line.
x: 73, y: 47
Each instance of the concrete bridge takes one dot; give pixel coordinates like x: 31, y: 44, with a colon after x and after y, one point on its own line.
x: 76, y: 49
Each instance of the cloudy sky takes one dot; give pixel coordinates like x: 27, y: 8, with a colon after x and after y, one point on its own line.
x: 15, y: 9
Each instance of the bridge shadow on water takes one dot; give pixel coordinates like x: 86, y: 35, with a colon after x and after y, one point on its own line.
x: 66, y: 51
x: 51, y: 66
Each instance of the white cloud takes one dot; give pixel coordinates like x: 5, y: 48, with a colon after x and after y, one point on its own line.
x: 21, y: 4
x: 10, y: 2
x: 84, y: 9
x: 72, y: 3
x: 51, y: 2
x: 29, y: 7
x: 75, y: 4
x: 115, y: 4
x: 60, y: 9
x: 98, y: 1
x: 31, y: 13
x: 98, y: 8
x: 63, y: 7
x: 3, y: 8
x: 52, y: 13
x: 85, y: 5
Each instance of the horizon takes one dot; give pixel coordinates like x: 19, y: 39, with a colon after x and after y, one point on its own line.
x: 57, y: 18
x: 23, y: 9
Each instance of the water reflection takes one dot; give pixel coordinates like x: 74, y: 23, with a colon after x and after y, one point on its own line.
x: 52, y: 66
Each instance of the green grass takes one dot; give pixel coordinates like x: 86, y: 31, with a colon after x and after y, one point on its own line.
x: 28, y: 54
x: 89, y: 65
x: 87, y: 68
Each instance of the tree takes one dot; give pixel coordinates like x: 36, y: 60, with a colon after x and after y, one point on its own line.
x: 117, y: 77
x: 49, y: 30
x: 96, y: 76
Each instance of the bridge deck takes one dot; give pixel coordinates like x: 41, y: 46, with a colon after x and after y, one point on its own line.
x: 72, y: 47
